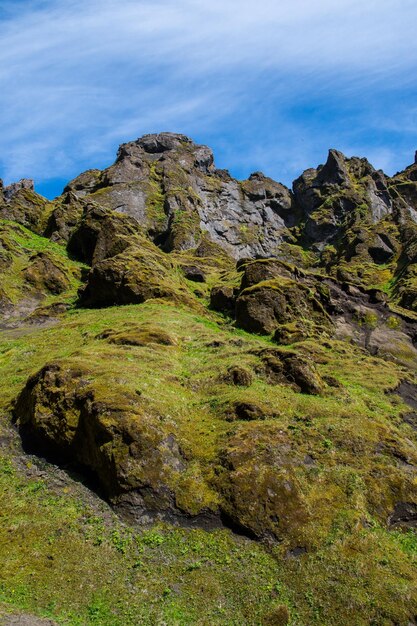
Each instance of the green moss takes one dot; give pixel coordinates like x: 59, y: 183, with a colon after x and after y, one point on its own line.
x: 19, y: 282
x: 155, y: 199
x: 296, y: 255
x: 326, y: 470
x: 249, y: 234
x: 126, y: 576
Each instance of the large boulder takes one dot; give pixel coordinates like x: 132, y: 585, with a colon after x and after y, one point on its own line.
x: 138, y: 274
x: 263, y: 306
x: 261, y: 491
x: 65, y: 416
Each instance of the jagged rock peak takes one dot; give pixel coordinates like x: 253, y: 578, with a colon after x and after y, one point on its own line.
x: 161, y: 142
x: 11, y: 190
x: 334, y: 171
x: 159, y: 145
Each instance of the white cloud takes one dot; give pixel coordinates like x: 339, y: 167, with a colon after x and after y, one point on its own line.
x: 79, y: 77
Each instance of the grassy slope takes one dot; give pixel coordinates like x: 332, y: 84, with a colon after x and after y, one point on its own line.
x: 64, y: 555
x: 18, y: 246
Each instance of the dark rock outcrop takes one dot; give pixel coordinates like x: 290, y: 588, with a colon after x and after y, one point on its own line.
x: 272, y: 294
x: 222, y: 298
x: 44, y: 273
x: 127, y: 278
x: 61, y: 413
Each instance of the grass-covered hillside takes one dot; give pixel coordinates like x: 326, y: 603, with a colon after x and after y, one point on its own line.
x: 190, y: 440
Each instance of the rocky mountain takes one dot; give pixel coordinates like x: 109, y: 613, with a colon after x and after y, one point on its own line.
x: 230, y: 356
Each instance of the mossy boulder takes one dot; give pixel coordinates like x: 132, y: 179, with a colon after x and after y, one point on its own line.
x: 273, y: 293
x: 303, y: 374
x: 194, y: 273
x: 261, y: 491
x: 237, y: 375
x: 286, y: 366
x: 132, y: 277
x: 138, y: 335
x: 48, y: 312
x: 261, y: 310
x: 45, y: 273
x: 64, y: 414
x: 255, y: 272
x: 223, y: 298
x: 263, y: 307
x: 247, y: 412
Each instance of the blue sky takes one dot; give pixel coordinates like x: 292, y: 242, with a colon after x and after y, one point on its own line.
x: 270, y: 85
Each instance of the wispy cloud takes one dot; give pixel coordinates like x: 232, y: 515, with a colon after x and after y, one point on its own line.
x: 259, y: 78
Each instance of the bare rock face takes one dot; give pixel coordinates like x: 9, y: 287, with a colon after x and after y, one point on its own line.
x: 11, y: 190
x: 172, y: 188
x: 249, y: 218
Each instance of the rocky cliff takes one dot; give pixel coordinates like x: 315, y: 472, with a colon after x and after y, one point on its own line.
x: 261, y: 374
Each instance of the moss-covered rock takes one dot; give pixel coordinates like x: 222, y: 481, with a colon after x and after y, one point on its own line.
x: 24, y: 206
x: 101, y: 234
x: 263, y: 307
x: 62, y: 414
x: 138, y: 335
x: 46, y: 274
x: 237, y: 375
x: 222, y: 298
x: 130, y: 278
x: 286, y: 366
x: 262, y: 494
